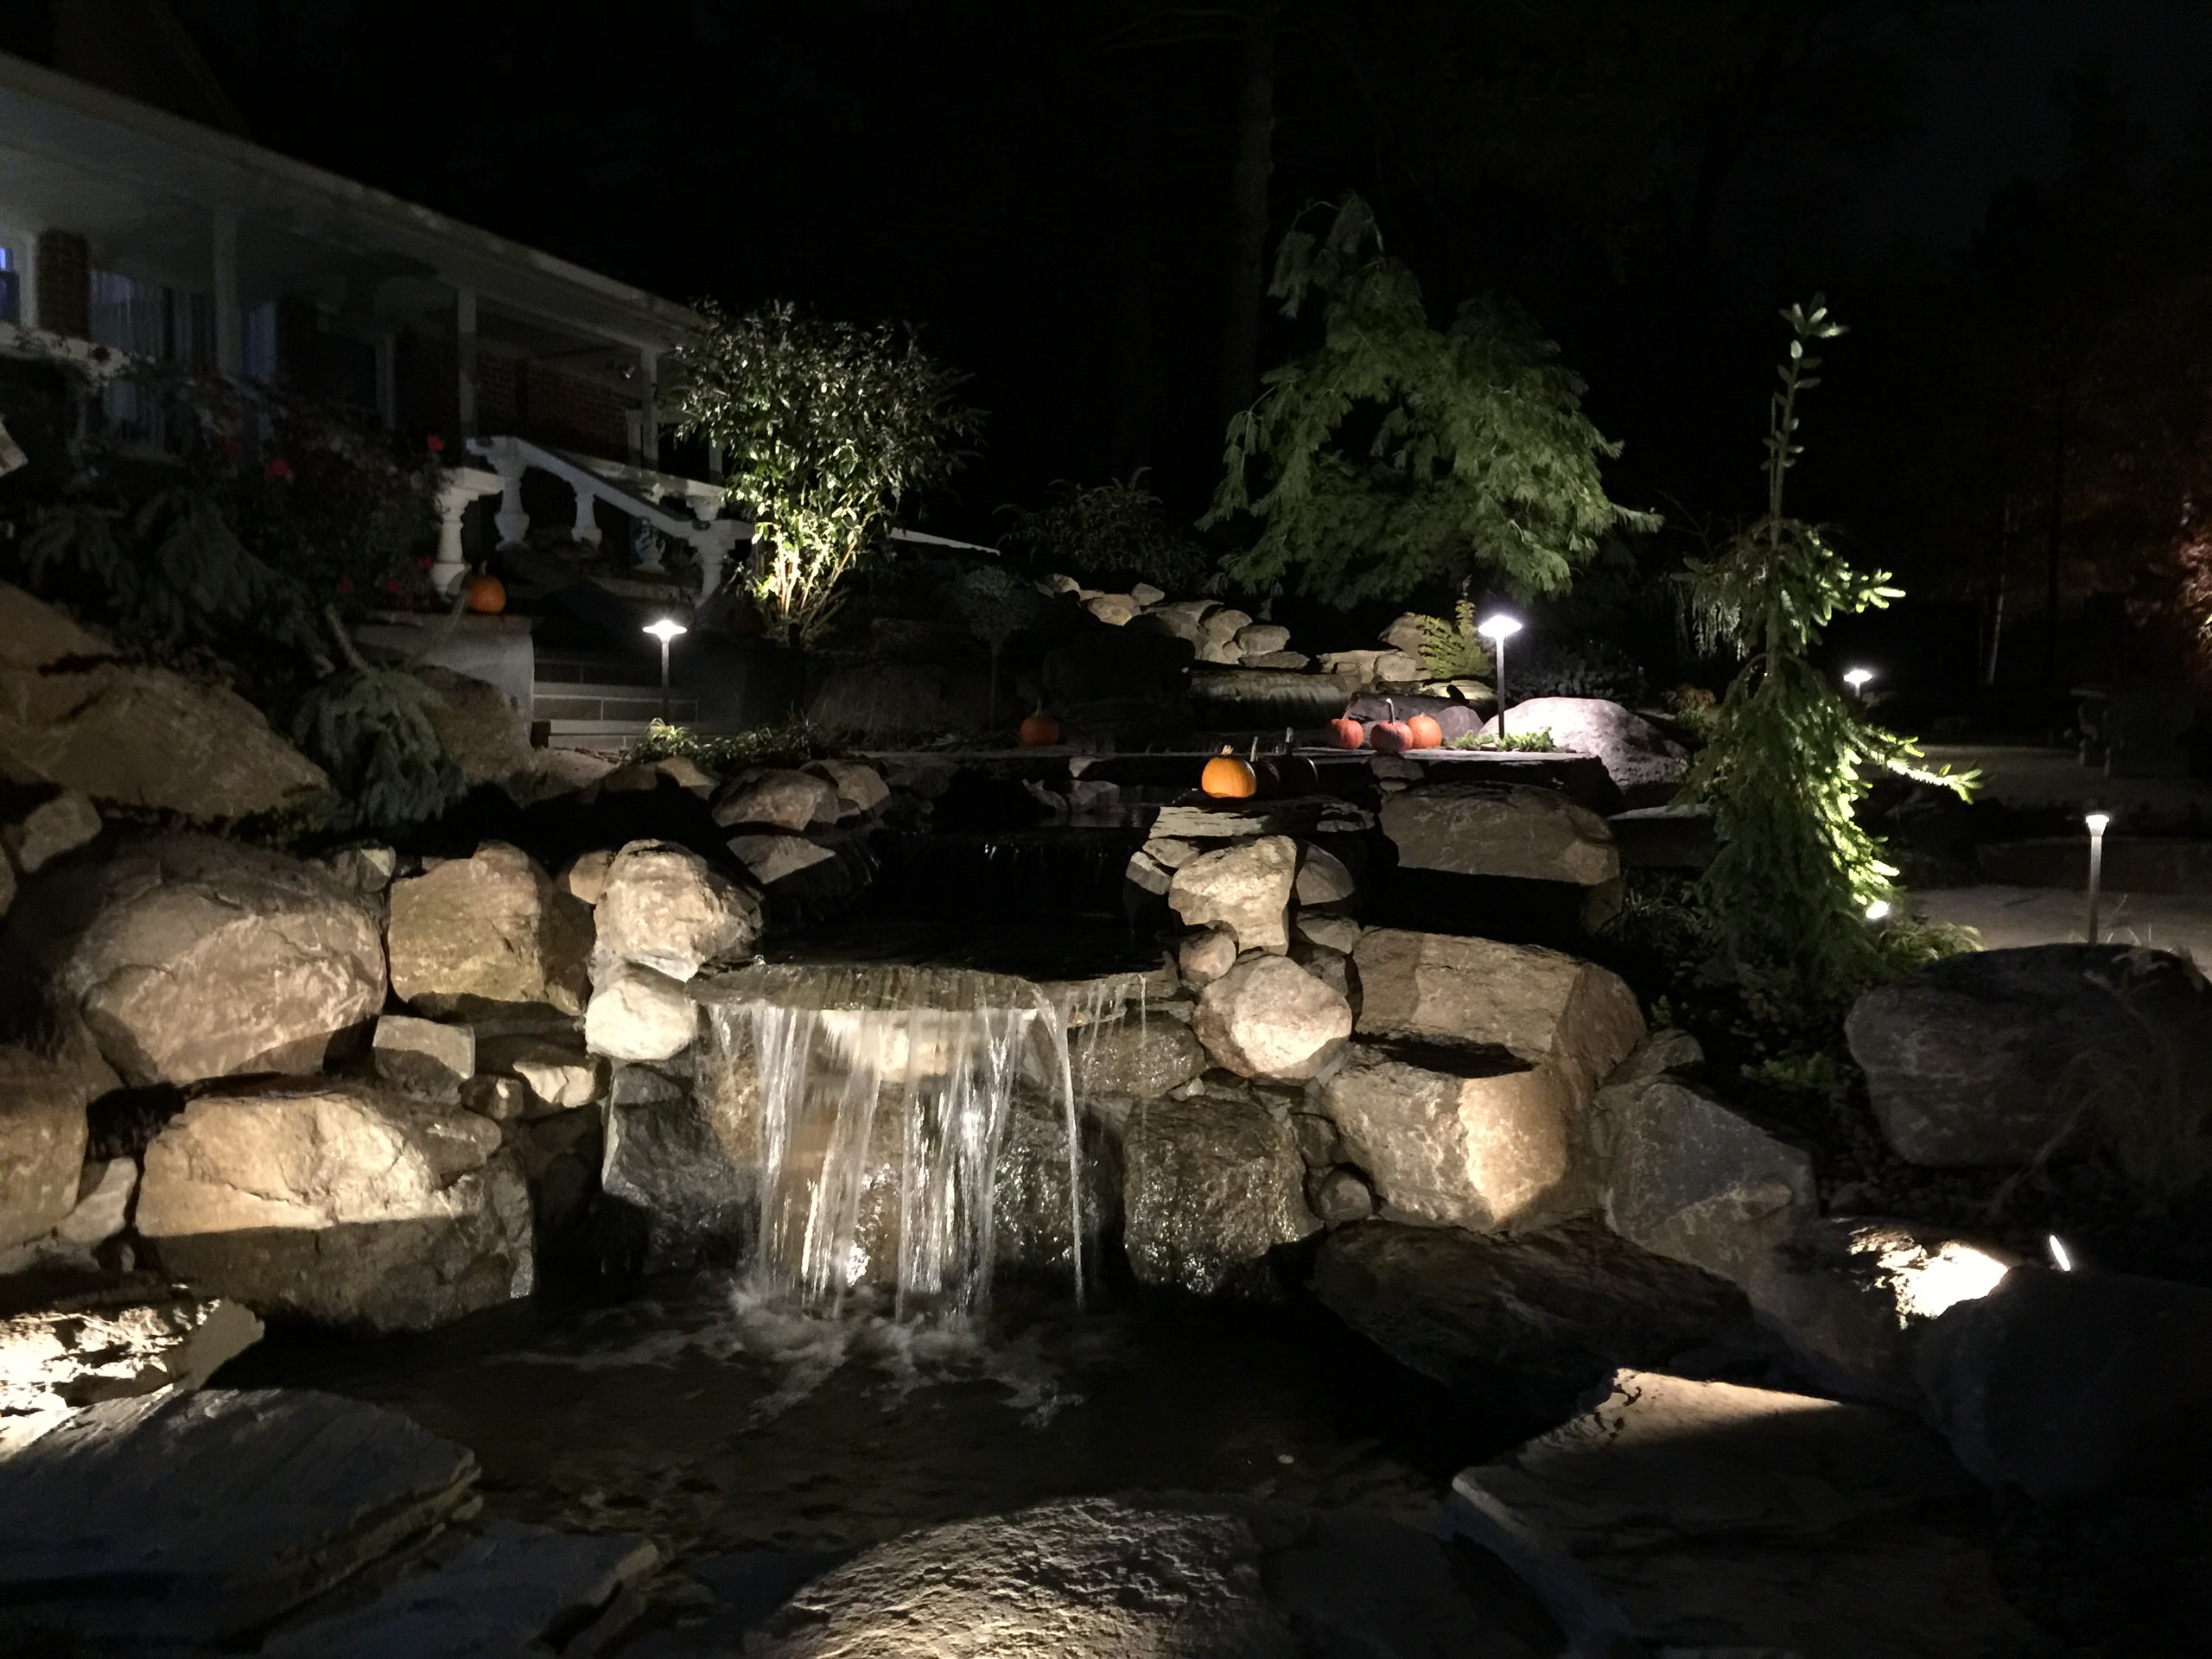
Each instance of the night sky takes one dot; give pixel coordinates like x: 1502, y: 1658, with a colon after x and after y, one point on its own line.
x: 1046, y: 192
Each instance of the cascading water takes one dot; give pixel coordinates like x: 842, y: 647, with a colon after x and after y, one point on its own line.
x: 873, y: 1102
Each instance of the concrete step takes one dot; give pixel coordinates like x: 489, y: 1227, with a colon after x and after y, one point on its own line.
x: 625, y: 704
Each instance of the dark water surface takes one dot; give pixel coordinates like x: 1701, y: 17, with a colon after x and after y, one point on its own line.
x: 714, y: 1421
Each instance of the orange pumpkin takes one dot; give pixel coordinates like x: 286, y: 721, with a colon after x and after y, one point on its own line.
x: 1425, y: 732
x: 1227, y: 779
x: 1040, y: 730
x: 1390, y: 736
x: 488, y: 596
x: 1348, y: 733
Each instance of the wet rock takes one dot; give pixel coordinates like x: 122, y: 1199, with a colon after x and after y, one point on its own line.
x: 422, y: 1057
x: 188, y: 957
x: 665, y: 908
x: 339, y: 1202
x: 52, y: 828
x: 1042, y: 1206
x: 585, y: 876
x: 1701, y: 1516
x: 1646, y: 766
x: 860, y: 789
x: 1206, y: 956
x: 638, y: 1015
x: 1997, y: 1057
x: 1511, y: 830
x: 769, y: 859
x: 1212, y: 1185
x: 1527, y: 1320
x: 1267, y: 1018
x: 131, y: 735
x: 776, y: 799
x: 478, y: 933
x: 41, y: 1144
x: 1339, y: 1198
x: 1464, y: 1137
x: 1850, y: 1296
x: 554, y: 1064
x: 664, y: 1154
x: 2070, y: 1385
x: 1547, y: 1007
x: 1140, y: 1058
x: 1245, y: 888
x: 1103, y: 1576
x: 82, y: 1350
x: 190, y: 1522
x: 1689, y: 1178
x: 509, y: 1588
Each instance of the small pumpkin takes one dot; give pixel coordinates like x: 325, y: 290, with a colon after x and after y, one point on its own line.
x: 1390, y: 736
x: 1347, y: 733
x: 1227, y: 779
x: 1296, y: 775
x: 1040, y: 730
x: 487, y: 595
x: 1426, y: 733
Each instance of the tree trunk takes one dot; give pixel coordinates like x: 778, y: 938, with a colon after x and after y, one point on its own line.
x: 1247, y: 208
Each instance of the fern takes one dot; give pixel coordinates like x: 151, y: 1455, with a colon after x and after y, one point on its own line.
x: 370, y: 729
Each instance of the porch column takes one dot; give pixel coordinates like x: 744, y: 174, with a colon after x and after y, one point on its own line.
x: 649, y: 411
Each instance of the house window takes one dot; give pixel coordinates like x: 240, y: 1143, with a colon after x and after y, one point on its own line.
x: 258, y: 343
x: 11, y: 285
x: 151, y: 320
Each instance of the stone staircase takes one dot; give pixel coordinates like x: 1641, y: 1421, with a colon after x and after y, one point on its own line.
x: 600, y: 701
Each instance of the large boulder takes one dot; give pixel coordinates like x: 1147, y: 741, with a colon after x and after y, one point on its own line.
x: 1169, y: 1580
x: 1547, y: 1007
x: 52, y: 828
x: 1527, y: 1320
x: 1851, y: 1295
x: 891, y: 698
x: 776, y: 799
x: 188, y: 957
x: 477, y: 934
x: 1465, y: 1137
x: 1211, y: 1185
x: 1136, y: 1056
x: 1645, y: 764
x: 1998, y: 1056
x: 1245, y: 888
x: 638, y: 1015
x: 1681, y: 1515
x: 664, y: 907
x: 130, y: 735
x: 674, y: 1158
x: 1513, y: 829
x: 341, y: 1202
x: 1687, y: 1177
x: 1268, y: 1019
x: 2070, y: 1385
x: 484, y: 729
x: 41, y: 1144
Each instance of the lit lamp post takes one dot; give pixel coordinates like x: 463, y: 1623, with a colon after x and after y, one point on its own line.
x: 2097, y: 823
x: 665, y: 630
x: 1856, y: 678
x: 1498, y: 629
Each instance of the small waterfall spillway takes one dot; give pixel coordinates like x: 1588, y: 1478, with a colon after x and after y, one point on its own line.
x: 875, y: 1106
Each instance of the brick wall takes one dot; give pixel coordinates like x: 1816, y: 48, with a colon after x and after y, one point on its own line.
x: 64, y: 284
x: 526, y: 399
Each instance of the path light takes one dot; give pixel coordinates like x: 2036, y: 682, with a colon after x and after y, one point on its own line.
x: 2061, y: 1257
x: 665, y: 630
x: 1498, y: 629
x: 1856, y: 678
x: 2097, y: 822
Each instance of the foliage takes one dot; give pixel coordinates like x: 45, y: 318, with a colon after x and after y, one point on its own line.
x: 1791, y: 883
x: 1396, y: 455
x: 793, y: 743
x: 825, y: 429
x: 996, y: 605
x: 1450, y: 649
x: 370, y: 729
x: 1537, y: 742
x: 1117, y: 532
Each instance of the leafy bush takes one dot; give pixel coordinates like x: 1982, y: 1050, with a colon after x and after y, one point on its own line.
x: 1450, y: 648
x: 1116, y: 535
x: 825, y: 429
x: 1396, y: 455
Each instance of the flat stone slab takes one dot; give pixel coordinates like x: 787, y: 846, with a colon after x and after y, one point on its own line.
x: 494, y: 1592
x: 167, y: 1523
x: 1698, y: 1515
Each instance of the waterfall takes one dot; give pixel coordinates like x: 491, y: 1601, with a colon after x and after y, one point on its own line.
x: 875, y: 1102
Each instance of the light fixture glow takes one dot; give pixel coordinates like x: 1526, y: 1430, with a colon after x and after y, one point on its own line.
x: 1856, y: 678
x: 2098, y: 822
x: 2061, y: 1257
x: 1879, y: 911
x: 1500, y: 627
x: 665, y: 629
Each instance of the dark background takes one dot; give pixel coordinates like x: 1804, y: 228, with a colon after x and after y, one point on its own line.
x: 1074, y: 202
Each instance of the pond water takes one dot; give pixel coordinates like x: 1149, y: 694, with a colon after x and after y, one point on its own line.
x: 717, y: 1421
